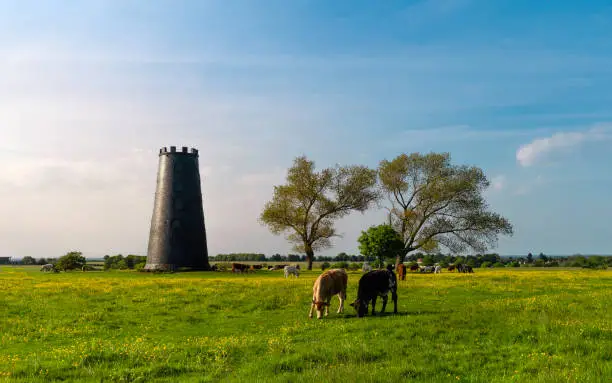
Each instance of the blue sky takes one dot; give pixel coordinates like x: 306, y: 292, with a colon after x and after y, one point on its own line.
x: 89, y: 91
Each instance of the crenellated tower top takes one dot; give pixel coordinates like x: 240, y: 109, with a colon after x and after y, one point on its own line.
x: 184, y: 151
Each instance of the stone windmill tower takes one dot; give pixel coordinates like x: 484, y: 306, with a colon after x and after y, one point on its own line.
x: 177, y: 238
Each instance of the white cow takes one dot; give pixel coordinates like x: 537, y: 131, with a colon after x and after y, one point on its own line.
x: 366, y: 267
x: 438, y: 270
x: 47, y: 267
x: 427, y: 269
x: 292, y: 270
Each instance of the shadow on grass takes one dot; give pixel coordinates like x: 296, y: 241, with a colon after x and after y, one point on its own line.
x: 345, y: 315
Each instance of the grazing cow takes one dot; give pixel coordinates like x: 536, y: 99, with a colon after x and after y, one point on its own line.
x: 427, y: 269
x: 401, y: 271
x: 414, y: 267
x: 291, y: 270
x: 372, y: 285
x: 214, y: 268
x: 451, y: 268
x: 256, y: 267
x: 464, y: 269
x: 331, y: 282
x: 240, y: 268
x: 48, y: 267
x: 437, y: 269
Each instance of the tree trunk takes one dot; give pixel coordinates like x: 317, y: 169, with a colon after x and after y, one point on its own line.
x: 309, y: 256
x: 399, y: 260
x: 400, y: 257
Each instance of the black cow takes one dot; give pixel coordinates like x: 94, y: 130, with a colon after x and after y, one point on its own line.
x: 464, y: 268
x: 372, y: 285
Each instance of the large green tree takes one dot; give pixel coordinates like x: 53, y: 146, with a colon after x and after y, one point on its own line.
x: 434, y: 203
x: 381, y: 242
x: 70, y: 261
x: 307, y: 206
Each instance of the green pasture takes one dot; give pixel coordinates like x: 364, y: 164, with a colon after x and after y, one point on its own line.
x: 496, y: 325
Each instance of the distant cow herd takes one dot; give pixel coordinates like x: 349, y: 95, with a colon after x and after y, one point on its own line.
x: 244, y: 268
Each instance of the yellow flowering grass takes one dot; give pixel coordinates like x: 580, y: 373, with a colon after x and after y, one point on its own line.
x: 496, y: 325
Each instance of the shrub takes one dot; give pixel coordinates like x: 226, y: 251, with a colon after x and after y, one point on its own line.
x: 552, y: 264
x: 354, y: 266
x: 498, y: 264
x: 324, y: 265
x: 72, y: 260
x: 515, y: 264
x: 340, y: 265
x: 140, y: 265
x: 486, y: 264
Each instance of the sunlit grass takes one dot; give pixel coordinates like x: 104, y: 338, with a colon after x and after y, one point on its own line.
x: 495, y: 325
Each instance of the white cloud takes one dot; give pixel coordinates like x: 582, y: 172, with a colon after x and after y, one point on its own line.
x: 563, y: 142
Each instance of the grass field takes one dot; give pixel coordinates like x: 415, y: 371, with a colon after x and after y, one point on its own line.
x: 497, y: 325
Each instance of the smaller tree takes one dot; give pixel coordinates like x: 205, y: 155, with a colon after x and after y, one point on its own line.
x: 70, y: 261
x: 380, y: 241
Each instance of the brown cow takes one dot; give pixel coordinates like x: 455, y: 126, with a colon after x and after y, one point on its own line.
x: 240, y: 268
x: 451, y: 268
x: 414, y: 268
x: 331, y: 282
x: 401, y: 271
x: 256, y: 267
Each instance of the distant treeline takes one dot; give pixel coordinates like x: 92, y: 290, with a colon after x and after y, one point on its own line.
x: 478, y: 260
x: 137, y: 262
x: 495, y: 260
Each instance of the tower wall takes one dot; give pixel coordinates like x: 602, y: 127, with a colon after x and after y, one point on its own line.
x: 177, y: 238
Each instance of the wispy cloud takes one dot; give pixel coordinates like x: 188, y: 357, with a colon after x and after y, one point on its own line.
x: 498, y: 183
x: 527, y: 186
x: 466, y: 132
x: 560, y: 143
